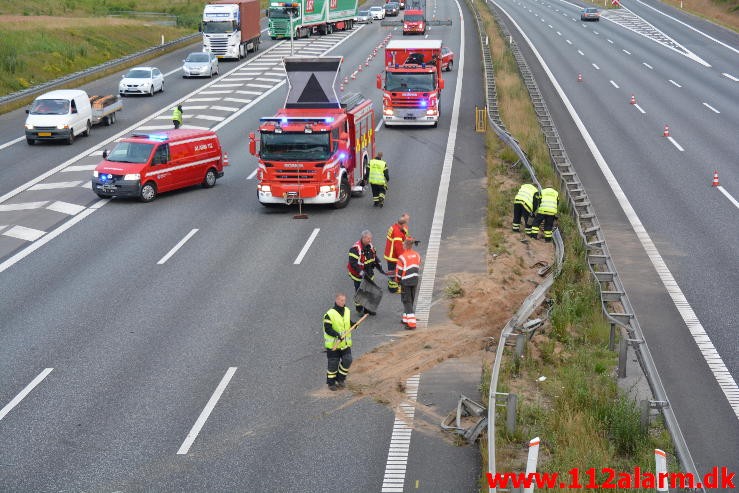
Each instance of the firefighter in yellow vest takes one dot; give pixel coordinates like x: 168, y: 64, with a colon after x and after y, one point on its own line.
x: 338, y: 342
x: 378, y: 178
x: 525, y: 205
x: 546, y: 213
x: 177, y: 116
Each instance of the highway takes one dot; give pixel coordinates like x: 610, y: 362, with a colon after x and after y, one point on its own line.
x: 129, y: 365
x: 681, y: 78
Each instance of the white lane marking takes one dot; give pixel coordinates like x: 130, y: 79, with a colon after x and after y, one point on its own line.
x: 674, y: 83
x: 711, y: 108
x: 11, y: 142
x: 559, y: 33
x: 426, y: 286
x: 177, y: 246
x: 210, y: 117
x: 253, y: 174
x: 218, y: 91
x: 595, y: 32
x: 156, y: 127
x: 674, y: 142
x: 22, y: 206
x: 400, y: 440
x: 178, y: 69
x: 377, y: 128
x: 568, y: 41
x: 206, y: 412
x: 580, y: 52
x: 224, y: 108
x: 722, y: 375
x: 185, y: 109
x: 81, y: 167
x: 203, y: 100
x: 647, y: 65
x: 227, y: 84
x: 636, y: 105
x: 250, y: 93
x: 237, y: 100
x: 306, y: 247
x: 596, y: 67
x: 614, y: 84
x: 550, y: 26
x: 610, y: 41
x: 690, y: 27
x: 55, y: 185
x: 24, y: 233
x: 23, y: 393
x: 728, y: 196
x: 626, y: 51
x: 260, y: 86
x: 730, y: 76
x: 66, y: 208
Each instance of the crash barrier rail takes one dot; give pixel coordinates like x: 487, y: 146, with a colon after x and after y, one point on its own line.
x: 66, y: 79
x: 615, y: 304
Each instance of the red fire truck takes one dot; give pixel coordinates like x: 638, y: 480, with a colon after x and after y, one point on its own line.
x: 314, y: 150
x: 412, y: 84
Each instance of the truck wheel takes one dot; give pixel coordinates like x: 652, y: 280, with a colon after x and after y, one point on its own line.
x: 344, y: 194
x: 148, y: 192
x: 70, y: 139
x: 210, y: 178
x: 89, y: 129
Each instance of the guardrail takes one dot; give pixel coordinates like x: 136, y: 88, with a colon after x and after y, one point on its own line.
x: 46, y: 86
x: 615, y: 303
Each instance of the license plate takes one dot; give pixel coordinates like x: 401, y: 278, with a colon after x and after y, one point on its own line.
x: 108, y: 188
x: 44, y: 134
x: 409, y: 117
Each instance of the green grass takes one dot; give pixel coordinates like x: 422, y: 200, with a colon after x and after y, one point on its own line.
x: 582, y: 416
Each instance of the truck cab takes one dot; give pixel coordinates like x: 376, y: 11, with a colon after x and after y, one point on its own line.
x: 414, y: 22
x: 231, y: 27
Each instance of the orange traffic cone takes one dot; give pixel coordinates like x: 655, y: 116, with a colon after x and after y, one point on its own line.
x: 225, y: 159
x: 715, y: 179
x: 341, y: 87
x: 633, y: 99
x: 579, y: 77
x: 346, y: 80
x: 666, y: 133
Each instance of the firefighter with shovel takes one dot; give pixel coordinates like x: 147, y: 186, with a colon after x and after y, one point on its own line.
x: 337, y: 335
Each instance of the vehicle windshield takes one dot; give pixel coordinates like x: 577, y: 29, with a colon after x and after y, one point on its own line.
x: 49, y: 107
x: 363, y: 13
x: 410, y: 82
x: 197, y: 58
x: 281, y: 13
x: 591, y: 11
x: 295, y: 147
x: 214, y: 27
x: 130, y: 152
x: 413, y: 18
x: 375, y: 9
x: 139, y: 74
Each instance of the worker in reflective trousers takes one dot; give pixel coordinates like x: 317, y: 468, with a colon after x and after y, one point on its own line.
x: 378, y: 179
x: 396, y: 235
x: 177, y: 116
x: 409, y: 266
x: 362, y: 263
x: 525, y: 205
x: 546, y: 213
x: 336, y: 324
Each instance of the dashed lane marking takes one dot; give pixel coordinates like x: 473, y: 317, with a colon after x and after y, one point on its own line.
x: 224, y: 108
x: 175, y: 248
x: 65, y: 208
x: 711, y: 108
x: 580, y: 52
x: 729, y: 76
x: 674, y: 83
x: 211, y: 118
x: 24, y: 233
x: 626, y: 51
x: 640, y: 109
x: 728, y: 196
x: 596, y: 67
x: 23, y: 393
x: 647, y: 65
x: 610, y: 41
x: 253, y: 174
x: 237, y: 100
x: 55, y: 185
x: 22, y: 206
x: 81, y: 167
x: 306, y: 247
x: 674, y: 142
x: 614, y: 84
x: 568, y: 41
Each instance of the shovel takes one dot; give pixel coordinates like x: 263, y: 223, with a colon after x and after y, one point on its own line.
x: 336, y: 344
x: 368, y: 295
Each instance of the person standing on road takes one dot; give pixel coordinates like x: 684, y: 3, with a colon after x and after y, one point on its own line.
x: 396, y: 235
x: 546, y: 213
x: 337, y: 340
x: 407, y: 273
x: 362, y: 263
x: 378, y: 179
x: 525, y: 205
x: 177, y: 116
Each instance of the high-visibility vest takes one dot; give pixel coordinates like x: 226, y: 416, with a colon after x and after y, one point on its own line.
x: 409, y: 266
x: 177, y: 115
x: 357, y: 252
x: 525, y: 196
x: 549, y: 202
x: 341, y: 324
x: 377, y: 172
x: 396, y: 234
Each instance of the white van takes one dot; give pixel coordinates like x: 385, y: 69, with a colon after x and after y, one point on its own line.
x: 59, y: 115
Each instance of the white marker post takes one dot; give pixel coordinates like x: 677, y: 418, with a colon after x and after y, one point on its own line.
x: 531, y: 462
x: 660, y: 464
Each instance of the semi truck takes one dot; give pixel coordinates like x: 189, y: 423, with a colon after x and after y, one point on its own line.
x: 309, y: 16
x: 317, y: 148
x: 412, y: 83
x: 231, y: 27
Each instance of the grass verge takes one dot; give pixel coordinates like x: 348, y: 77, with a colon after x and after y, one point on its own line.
x: 582, y: 417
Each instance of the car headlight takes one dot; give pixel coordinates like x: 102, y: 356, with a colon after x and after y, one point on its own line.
x: 95, y: 174
x: 62, y: 126
x: 132, y: 176
x: 29, y: 127
x: 388, y: 112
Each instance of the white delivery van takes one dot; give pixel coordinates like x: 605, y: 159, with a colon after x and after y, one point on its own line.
x: 59, y: 115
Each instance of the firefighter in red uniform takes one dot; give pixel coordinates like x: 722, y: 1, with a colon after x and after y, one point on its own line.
x: 362, y: 263
x: 407, y: 273
x: 396, y: 235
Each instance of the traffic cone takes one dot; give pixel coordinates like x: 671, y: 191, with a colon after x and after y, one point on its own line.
x: 341, y: 87
x: 715, y: 179
x: 666, y: 133
x: 360, y: 68
x: 366, y: 62
x: 346, y: 80
x: 633, y: 99
x: 579, y: 77
x: 226, y: 163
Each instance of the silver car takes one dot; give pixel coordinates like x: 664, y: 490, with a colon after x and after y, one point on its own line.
x: 200, y: 65
x: 364, y: 17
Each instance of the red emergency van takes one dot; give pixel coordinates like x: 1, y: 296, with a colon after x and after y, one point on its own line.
x: 147, y: 164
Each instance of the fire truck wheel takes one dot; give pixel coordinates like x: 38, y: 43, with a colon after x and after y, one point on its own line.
x: 148, y: 192
x: 344, y: 194
x: 210, y: 179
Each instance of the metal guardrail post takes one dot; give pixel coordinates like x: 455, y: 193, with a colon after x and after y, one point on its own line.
x: 510, y: 414
x: 623, y: 349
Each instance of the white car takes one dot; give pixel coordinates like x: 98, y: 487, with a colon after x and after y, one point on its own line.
x: 377, y: 12
x: 200, y: 65
x: 364, y: 17
x: 142, y: 80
